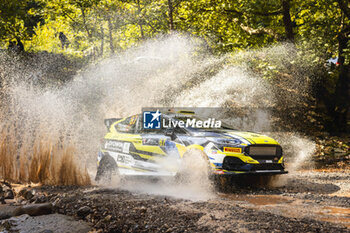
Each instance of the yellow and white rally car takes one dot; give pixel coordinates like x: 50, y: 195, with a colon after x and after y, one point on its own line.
x: 131, y: 148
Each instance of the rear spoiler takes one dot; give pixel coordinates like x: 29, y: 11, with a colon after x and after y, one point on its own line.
x: 110, y: 121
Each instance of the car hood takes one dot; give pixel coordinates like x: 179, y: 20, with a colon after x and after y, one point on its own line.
x: 248, y: 137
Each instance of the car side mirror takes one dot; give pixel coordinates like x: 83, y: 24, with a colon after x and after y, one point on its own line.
x: 170, y: 133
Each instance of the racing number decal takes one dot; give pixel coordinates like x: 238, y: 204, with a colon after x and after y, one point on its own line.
x: 162, y: 142
x: 126, y: 147
x: 133, y: 120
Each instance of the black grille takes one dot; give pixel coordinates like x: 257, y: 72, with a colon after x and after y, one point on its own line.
x: 235, y: 164
x: 267, y: 166
x: 274, y: 157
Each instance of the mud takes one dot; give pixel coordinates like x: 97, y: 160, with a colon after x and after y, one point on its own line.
x: 45, y: 224
x: 306, y: 201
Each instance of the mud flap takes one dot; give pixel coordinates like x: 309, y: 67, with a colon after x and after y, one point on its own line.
x: 106, y: 169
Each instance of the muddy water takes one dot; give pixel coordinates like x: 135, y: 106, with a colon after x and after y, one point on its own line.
x: 258, y: 200
x: 68, y: 121
x: 293, y: 207
x: 336, y: 215
x: 300, y: 205
x: 303, y: 196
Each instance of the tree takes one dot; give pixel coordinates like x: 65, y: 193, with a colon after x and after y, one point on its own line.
x: 288, y: 25
x: 342, y: 96
x: 19, y: 18
x: 323, y: 28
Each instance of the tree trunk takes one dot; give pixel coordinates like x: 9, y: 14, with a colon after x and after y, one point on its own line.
x: 139, y: 21
x: 84, y: 22
x: 141, y: 31
x: 171, y: 17
x: 102, y: 40
x: 110, y: 31
x: 288, y: 25
x: 342, y: 97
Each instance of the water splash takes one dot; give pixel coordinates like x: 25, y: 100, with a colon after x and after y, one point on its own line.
x: 169, y: 71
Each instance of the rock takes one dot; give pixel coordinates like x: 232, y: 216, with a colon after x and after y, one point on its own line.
x: 6, y: 225
x: 9, y: 194
x: 26, y: 193
x: 83, y: 211
x: 21, y: 201
x: 46, y: 231
x: 46, y: 224
x: 56, y: 202
x: 41, y: 199
x: 339, y: 151
x: 34, y: 209
x: 6, y: 184
x: 4, y: 216
x: 107, y: 218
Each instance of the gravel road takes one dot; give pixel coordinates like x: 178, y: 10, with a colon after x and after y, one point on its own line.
x: 305, y: 201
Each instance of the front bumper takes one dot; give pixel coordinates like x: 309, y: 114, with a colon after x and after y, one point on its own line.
x: 239, y: 164
x: 258, y: 172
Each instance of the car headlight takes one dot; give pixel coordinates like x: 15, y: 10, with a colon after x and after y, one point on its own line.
x: 224, y: 141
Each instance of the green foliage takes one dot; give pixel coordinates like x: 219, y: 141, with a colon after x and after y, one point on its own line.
x: 318, y: 24
x: 230, y: 25
x: 315, y: 30
x: 18, y: 18
x: 102, y: 27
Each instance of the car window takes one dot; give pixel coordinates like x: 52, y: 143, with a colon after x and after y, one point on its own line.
x: 128, y: 125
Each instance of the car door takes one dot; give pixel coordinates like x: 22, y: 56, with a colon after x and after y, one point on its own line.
x: 153, y: 141
x: 121, y: 140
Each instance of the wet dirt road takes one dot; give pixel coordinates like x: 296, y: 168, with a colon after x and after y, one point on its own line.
x: 306, y: 201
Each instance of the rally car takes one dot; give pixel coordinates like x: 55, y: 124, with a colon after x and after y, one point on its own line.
x: 132, y: 148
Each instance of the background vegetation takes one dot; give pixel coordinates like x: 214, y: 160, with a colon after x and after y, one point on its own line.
x: 81, y: 30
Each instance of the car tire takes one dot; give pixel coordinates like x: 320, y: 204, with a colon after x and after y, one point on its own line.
x: 257, y: 181
x: 222, y: 184
x: 194, y: 167
x: 107, y: 169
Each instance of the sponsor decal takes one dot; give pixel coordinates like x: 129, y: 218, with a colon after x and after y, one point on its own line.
x: 219, y: 172
x: 232, y: 150
x: 117, y: 146
x: 150, y: 141
x: 126, y: 147
x: 125, y: 159
x: 114, y: 145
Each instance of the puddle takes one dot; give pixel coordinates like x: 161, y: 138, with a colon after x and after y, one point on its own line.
x: 259, y: 200
x: 336, y: 215
x: 303, y: 208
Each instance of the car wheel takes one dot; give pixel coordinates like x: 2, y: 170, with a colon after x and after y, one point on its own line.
x: 106, y: 169
x: 255, y: 180
x: 267, y: 180
x: 222, y: 183
x: 195, y: 168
